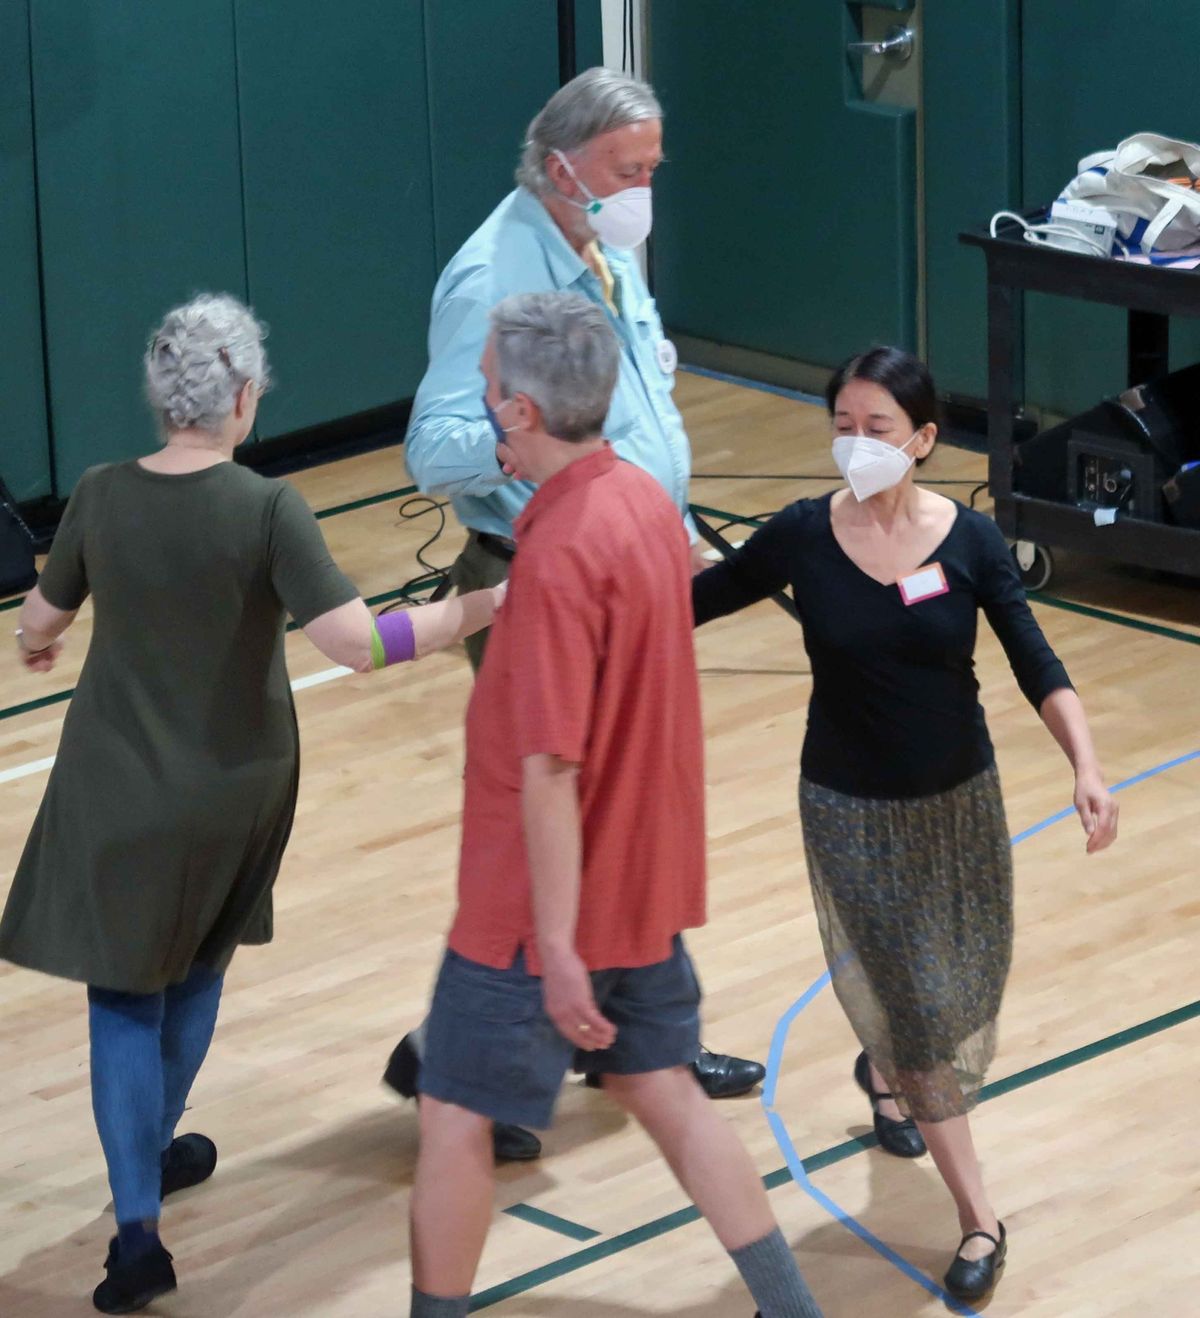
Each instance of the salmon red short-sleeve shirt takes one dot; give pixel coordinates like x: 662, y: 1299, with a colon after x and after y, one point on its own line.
x: 590, y: 659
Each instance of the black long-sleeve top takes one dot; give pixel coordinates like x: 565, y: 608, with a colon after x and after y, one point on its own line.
x: 895, y: 709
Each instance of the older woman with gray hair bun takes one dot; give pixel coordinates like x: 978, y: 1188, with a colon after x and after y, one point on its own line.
x: 171, y: 800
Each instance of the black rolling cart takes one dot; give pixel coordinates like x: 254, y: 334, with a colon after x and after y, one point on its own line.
x: 1060, y: 488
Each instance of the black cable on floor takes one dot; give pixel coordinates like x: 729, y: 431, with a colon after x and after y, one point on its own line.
x: 419, y: 505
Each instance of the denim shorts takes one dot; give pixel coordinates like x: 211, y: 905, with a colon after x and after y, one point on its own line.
x: 491, y: 1048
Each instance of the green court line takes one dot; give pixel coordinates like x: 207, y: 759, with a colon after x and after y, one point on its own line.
x: 581, y: 1258
x: 40, y: 703
x: 639, y: 1235
x: 1109, y: 1044
x: 403, y: 592
x: 1053, y: 601
x: 1136, y: 624
x: 551, y: 1221
x: 337, y: 510
x: 368, y: 502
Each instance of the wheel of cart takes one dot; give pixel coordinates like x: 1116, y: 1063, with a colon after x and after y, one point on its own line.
x: 1035, y: 563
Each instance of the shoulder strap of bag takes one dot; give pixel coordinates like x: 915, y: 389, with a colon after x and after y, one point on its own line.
x: 1161, y: 222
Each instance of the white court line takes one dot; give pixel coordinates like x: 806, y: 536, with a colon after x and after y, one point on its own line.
x: 40, y: 766
x: 303, y: 683
x: 24, y: 770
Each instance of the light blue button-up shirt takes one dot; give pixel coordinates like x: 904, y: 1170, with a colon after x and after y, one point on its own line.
x: 451, y: 447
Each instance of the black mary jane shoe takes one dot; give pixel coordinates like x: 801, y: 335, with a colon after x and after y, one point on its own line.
x: 901, y: 1139
x: 972, y: 1279
x: 130, y: 1287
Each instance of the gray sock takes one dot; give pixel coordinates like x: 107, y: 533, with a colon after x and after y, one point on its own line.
x: 773, y: 1277
x: 432, y: 1306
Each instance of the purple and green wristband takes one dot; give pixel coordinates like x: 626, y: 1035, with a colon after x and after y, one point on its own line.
x: 392, y: 639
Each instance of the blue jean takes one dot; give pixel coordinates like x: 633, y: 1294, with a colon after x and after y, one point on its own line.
x: 146, y: 1051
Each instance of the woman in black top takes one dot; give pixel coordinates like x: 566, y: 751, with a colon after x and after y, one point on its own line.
x: 905, y: 836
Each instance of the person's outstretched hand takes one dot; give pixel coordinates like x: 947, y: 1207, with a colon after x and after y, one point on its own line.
x: 1097, y: 811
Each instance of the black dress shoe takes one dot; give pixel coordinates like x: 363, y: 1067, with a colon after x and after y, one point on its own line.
x: 403, y: 1068
x: 901, y: 1139
x: 190, y: 1160
x: 132, y: 1286
x: 971, y: 1279
x: 514, y: 1143
x: 509, y: 1143
x: 722, y: 1076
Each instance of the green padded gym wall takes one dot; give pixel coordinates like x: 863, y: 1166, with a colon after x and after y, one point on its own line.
x: 25, y: 454
x: 140, y: 199
x: 589, y: 34
x: 972, y: 108
x: 336, y: 175
x: 1090, y: 80
x: 280, y: 150
x: 785, y: 216
x: 492, y: 65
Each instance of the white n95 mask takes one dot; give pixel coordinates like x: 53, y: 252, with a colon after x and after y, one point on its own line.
x: 870, y: 466
x: 621, y: 220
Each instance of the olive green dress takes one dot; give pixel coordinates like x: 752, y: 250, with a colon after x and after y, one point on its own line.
x: 171, y: 800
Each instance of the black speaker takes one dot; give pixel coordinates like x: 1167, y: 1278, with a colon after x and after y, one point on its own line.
x: 1121, y: 454
x: 17, y: 568
x: 1182, y: 493
x: 1114, y: 471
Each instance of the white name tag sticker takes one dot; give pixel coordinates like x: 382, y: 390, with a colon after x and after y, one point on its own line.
x: 923, y: 584
x: 668, y: 356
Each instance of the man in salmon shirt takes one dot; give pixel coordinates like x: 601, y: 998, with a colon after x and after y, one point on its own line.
x: 583, y: 830
x: 582, y: 203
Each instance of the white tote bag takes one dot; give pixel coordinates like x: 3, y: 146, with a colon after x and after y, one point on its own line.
x: 1153, y: 214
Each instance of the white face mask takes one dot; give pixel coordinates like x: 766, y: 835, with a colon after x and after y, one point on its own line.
x: 870, y: 466
x: 621, y: 220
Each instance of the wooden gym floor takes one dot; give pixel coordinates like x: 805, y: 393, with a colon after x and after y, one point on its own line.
x: 1088, y: 1132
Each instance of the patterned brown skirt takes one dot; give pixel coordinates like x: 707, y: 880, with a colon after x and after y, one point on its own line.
x: 914, y: 901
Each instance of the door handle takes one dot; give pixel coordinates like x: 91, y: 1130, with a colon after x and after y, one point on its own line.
x: 897, y: 45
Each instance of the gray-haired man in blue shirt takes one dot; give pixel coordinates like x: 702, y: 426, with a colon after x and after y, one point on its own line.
x: 582, y: 206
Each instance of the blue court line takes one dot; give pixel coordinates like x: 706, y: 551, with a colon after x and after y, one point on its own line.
x: 796, y: 1167
x: 775, y: 1064
x: 763, y: 388
x: 1120, y: 787
x: 551, y: 1221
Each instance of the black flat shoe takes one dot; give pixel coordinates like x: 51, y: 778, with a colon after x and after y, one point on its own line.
x: 130, y: 1287
x: 901, y: 1139
x: 191, y: 1159
x: 509, y: 1143
x: 972, y: 1279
